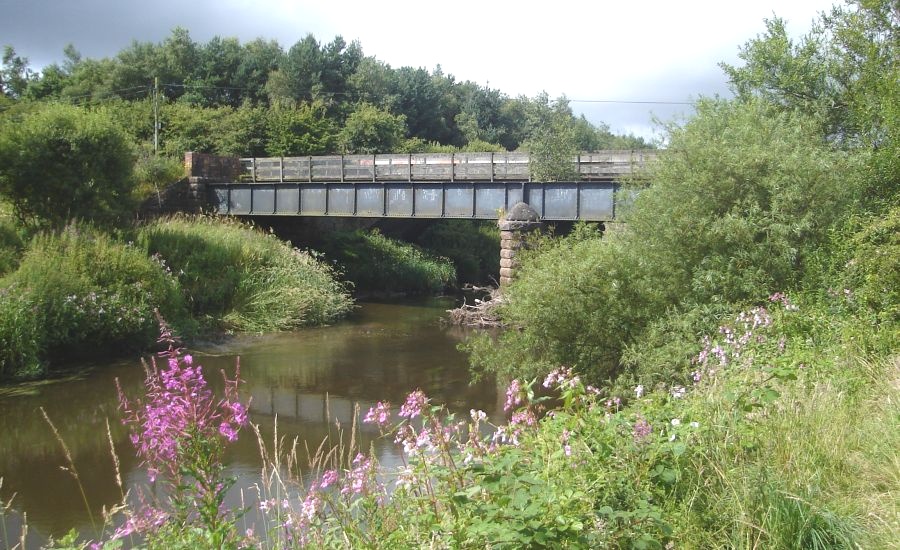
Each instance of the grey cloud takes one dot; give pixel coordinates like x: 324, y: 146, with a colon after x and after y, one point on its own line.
x: 40, y: 29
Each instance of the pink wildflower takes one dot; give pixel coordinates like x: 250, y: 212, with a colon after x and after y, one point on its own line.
x: 415, y: 402
x: 380, y: 414
x: 328, y: 479
x: 562, y: 378
x: 641, y: 430
x: 515, y: 394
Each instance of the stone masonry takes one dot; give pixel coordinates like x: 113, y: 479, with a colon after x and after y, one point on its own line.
x: 518, y: 222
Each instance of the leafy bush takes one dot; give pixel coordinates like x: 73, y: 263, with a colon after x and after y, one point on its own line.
x: 239, y: 277
x: 473, y: 247
x: 62, y: 162
x: 374, y: 262
x: 78, y: 288
x: 154, y: 173
x: 370, y: 130
x: 873, y: 271
x: 738, y: 205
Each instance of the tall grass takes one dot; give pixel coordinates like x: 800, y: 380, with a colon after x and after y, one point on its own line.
x: 74, y: 289
x: 473, y: 246
x: 235, y: 277
x: 377, y: 263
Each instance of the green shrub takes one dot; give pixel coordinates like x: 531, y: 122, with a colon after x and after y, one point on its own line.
x: 76, y: 290
x: 154, y: 173
x: 473, y: 246
x: 739, y: 204
x: 239, y: 277
x: 374, y: 262
x: 873, y: 271
x: 62, y: 163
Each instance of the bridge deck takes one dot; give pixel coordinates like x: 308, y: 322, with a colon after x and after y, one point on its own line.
x: 453, y: 185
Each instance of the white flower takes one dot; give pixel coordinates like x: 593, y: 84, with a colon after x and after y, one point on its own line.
x: 676, y: 422
x: 639, y: 391
x: 695, y: 425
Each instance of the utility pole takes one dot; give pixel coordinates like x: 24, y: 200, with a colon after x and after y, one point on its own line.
x: 156, y: 115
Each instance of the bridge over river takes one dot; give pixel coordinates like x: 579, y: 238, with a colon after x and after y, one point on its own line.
x: 450, y: 185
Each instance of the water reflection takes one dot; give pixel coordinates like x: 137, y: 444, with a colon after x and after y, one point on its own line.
x: 312, y: 381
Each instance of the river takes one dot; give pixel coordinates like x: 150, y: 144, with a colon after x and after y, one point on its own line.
x: 382, y: 352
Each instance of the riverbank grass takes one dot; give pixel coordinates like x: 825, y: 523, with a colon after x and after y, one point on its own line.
x: 236, y: 277
x: 376, y: 263
x: 77, y: 288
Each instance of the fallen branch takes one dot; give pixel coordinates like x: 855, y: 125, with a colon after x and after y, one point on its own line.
x: 481, y: 314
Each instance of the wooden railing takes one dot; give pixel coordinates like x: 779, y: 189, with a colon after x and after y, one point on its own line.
x: 597, y: 166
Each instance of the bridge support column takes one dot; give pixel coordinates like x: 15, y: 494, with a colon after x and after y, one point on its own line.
x: 518, y: 222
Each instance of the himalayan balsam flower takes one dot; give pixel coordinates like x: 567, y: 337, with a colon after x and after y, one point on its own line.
x: 380, y: 414
x: 415, y: 402
x: 357, y: 480
x: 639, y: 391
x: 514, y: 395
x: 567, y: 449
x: 562, y: 378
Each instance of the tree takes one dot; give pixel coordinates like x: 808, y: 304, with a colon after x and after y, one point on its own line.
x: 62, y: 162
x: 551, y: 141
x: 15, y: 75
x: 845, y: 72
x: 303, y: 130
x: 370, y: 130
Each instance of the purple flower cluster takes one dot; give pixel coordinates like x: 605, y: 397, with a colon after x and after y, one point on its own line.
x: 414, y: 405
x: 642, y: 430
x: 562, y: 378
x: 147, y: 519
x: 515, y: 394
x: 179, y: 406
x: 735, y: 338
x: 357, y: 481
x: 380, y: 414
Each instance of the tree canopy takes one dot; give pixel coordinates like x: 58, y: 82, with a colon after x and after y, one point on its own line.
x: 224, y: 83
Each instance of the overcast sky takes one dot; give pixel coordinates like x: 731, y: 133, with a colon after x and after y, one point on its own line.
x: 628, y: 50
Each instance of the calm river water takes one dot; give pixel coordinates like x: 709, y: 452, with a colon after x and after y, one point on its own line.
x: 381, y: 352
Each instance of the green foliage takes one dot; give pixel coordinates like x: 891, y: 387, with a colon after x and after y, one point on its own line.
x: 740, y: 202
x: 15, y: 76
x: 370, y: 130
x: 846, y: 73
x: 61, y: 163
x: 551, y: 140
x: 239, y: 278
x: 154, y: 173
x: 11, y: 245
x: 377, y: 263
x: 187, y: 128
x: 74, y: 289
x: 471, y: 245
x: 256, y: 99
x: 872, y: 271
x: 302, y: 130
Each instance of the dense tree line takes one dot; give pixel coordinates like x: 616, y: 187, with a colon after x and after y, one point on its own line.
x: 256, y: 98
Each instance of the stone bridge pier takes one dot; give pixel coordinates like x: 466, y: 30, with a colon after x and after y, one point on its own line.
x: 514, y: 228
